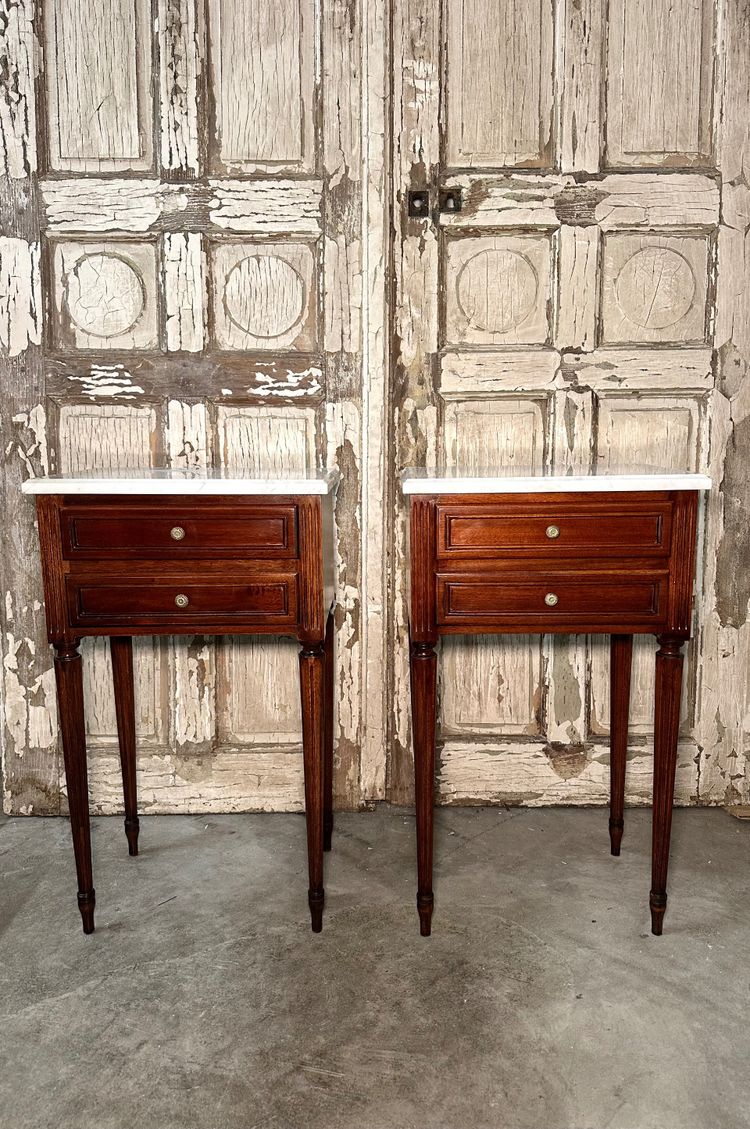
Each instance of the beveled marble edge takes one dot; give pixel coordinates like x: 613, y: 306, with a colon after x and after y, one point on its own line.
x: 167, y: 481
x: 418, y: 481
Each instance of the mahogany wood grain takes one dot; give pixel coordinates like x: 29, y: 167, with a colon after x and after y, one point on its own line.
x: 618, y: 563
x: 312, y: 685
x: 669, y: 662
x: 121, y: 648
x: 554, y: 530
x: 424, y: 709
x: 69, y: 678
x: 246, y: 565
x: 176, y: 532
x: 330, y: 661
x: 174, y: 601
x: 583, y: 601
x: 621, y: 657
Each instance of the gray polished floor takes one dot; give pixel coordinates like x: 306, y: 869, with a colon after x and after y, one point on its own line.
x: 541, y: 1001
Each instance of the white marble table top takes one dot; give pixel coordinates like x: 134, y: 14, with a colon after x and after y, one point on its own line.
x: 416, y: 480
x: 178, y: 481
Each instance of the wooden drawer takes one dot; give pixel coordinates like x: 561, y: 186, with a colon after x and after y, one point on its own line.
x: 585, y: 601
x: 172, y: 603
x: 554, y: 529
x: 173, y: 531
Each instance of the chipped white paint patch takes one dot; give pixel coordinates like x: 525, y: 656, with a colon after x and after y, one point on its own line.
x: 20, y: 295
x: 180, y: 68
x: 108, y: 380
x: 512, y: 772
x: 226, y: 781
x: 104, y: 205
x: 184, y: 282
x: 187, y: 435
x: 20, y: 53
x: 266, y: 207
x: 34, y: 453
x: 29, y: 705
x: 289, y: 384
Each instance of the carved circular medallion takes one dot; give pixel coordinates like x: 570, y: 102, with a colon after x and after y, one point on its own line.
x: 264, y: 296
x: 105, y: 295
x: 497, y: 289
x: 655, y: 288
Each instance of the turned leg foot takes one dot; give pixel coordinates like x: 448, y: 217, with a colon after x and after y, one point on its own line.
x: 316, y: 901
x: 86, y: 904
x: 425, y: 906
x: 132, y: 828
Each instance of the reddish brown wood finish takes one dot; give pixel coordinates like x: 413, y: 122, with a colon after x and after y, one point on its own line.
x: 69, y: 678
x: 175, y: 532
x: 174, y: 602
x: 423, y: 705
x: 666, y: 730
x: 520, y: 527
x: 312, y: 684
x: 121, y: 648
x: 620, y: 664
x: 614, y: 563
x: 245, y: 565
x: 330, y: 660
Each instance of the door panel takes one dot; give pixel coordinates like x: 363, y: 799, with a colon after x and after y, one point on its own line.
x: 189, y: 199
x: 561, y: 322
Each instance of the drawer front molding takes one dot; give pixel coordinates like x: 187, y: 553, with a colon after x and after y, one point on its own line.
x: 555, y: 530
x: 177, y: 532
x: 551, y: 601
x: 175, y: 604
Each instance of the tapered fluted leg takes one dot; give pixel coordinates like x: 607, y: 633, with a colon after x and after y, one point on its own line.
x: 666, y: 730
x: 312, y: 683
x: 122, y: 670
x: 423, y: 662
x: 69, y: 678
x: 328, y: 763
x: 621, y: 653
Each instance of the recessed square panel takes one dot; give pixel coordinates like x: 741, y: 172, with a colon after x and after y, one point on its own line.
x: 263, y: 295
x: 654, y: 289
x: 105, y: 295
x: 497, y: 290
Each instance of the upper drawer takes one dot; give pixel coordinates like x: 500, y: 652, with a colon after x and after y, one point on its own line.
x: 174, y: 532
x: 177, y: 603
x: 558, y: 529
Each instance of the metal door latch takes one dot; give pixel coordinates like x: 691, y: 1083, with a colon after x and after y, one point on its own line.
x: 418, y: 203
x: 451, y: 200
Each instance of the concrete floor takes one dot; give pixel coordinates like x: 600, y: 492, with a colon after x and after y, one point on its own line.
x: 541, y: 1001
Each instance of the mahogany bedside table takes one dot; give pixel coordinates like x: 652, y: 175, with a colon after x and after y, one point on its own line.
x: 172, y: 552
x: 610, y: 554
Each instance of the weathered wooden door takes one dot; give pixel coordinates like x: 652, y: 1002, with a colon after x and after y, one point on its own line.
x: 585, y: 306
x: 180, y: 286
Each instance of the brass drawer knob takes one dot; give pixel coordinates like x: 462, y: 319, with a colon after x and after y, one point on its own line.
x: 552, y: 532
x: 550, y: 599
x: 181, y: 600
x: 177, y: 533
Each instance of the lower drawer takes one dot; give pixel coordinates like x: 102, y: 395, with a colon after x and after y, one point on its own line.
x: 539, y: 601
x: 166, y: 602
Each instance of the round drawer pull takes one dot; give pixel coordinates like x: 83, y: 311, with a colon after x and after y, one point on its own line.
x: 177, y: 533
x: 552, y: 532
x: 550, y: 599
x: 181, y: 600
